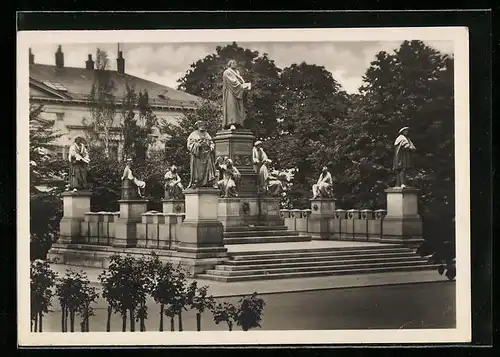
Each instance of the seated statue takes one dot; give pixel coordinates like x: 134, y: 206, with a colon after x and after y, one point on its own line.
x: 229, y: 177
x: 269, y: 184
x: 323, y: 187
x: 128, y: 178
x: 173, y: 186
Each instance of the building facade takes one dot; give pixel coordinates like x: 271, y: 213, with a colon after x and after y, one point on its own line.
x: 64, y: 93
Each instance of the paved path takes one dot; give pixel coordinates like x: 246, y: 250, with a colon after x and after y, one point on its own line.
x: 221, y: 289
x: 408, y: 306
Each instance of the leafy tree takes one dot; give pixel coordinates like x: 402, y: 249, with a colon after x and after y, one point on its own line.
x: 249, y: 312
x: 42, y: 280
x: 175, y: 145
x: 224, y: 312
x: 75, y: 296
x: 311, y: 110
x: 45, y: 166
x: 204, y: 79
x: 102, y: 104
x: 201, y: 301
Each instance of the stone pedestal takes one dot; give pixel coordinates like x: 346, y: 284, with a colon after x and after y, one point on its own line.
x: 75, y: 205
x: 201, y: 234
x: 237, y: 145
x: 270, y: 212
x: 125, y: 227
x: 230, y: 212
x: 173, y: 206
x: 402, y: 224
x: 321, y: 220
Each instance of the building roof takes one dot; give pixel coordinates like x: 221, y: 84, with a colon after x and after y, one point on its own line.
x: 71, y: 83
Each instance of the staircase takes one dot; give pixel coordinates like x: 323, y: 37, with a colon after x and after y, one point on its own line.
x: 262, y: 234
x: 259, y: 263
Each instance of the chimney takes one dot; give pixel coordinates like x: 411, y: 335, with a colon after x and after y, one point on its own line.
x: 120, y: 63
x: 89, y: 64
x: 59, y: 57
x: 32, y: 57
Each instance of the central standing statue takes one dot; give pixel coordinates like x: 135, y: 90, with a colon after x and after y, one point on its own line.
x: 201, y: 148
x: 233, y: 88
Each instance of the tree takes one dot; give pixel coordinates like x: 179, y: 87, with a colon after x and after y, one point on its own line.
x: 175, y: 145
x: 311, y: 110
x: 45, y: 166
x: 247, y: 313
x: 42, y: 281
x: 102, y: 105
x: 204, y: 79
x: 201, y: 301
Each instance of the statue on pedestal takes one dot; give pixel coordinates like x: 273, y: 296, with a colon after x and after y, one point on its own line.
x: 233, y: 88
x: 173, y: 186
x: 270, y: 185
x: 201, y: 148
x: 128, y: 179
x: 229, y: 177
x: 258, y: 156
x: 323, y: 187
x: 403, y: 147
x: 79, y: 159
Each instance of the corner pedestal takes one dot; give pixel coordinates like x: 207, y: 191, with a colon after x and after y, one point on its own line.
x: 230, y: 212
x: 75, y: 205
x: 321, y: 219
x: 201, y: 239
x: 125, y: 226
x: 173, y: 206
x: 237, y: 145
x: 270, y: 212
x: 402, y: 224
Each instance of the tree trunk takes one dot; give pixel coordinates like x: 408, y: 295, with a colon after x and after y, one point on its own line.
x: 31, y: 325
x: 132, y: 321
x: 108, y: 322
x: 72, y: 320
x: 87, y: 318
x: 172, y: 323
x: 40, y: 316
x: 180, y: 320
x: 161, y: 317
x: 62, y: 318
x: 82, y: 325
x: 124, y: 320
x: 198, y: 321
x: 230, y: 325
x: 36, y: 322
x: 66, y: 317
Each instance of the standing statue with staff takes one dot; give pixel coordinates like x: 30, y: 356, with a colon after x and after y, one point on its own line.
x: 79, y: 159
x: 201, y: 149
x: 403, y: 147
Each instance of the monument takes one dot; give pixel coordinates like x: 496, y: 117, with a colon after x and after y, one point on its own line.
x: 402, y: 224
x: 322, y: 206
x: 173, y: 201
x: 201, y: 233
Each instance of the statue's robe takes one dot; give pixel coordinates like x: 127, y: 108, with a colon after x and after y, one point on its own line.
x: 402, y: 157
x: 232, y: 98
x: 173, y: 186
x: 258, y: 157
x: 227, y: 184
x: 323, y: 187
x: 78, y: 158
x: 202, y: 166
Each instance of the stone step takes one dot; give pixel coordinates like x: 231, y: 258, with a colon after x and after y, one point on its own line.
x: 310, y: 274
x: 271, y: 259
x: 267, y: 239
x: 261, y: 233
x: 304, y: 252
x: 331, y: 267
x: 255, y: 228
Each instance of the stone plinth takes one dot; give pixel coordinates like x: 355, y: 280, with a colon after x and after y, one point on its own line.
x: 173, y: 206
x: 230, y: 212
x: 126, y: 226
x: 237, y: 145
x: 321, y: 220
x: 402, y: 224
x: 201, y: 233
x: 75, y: 205
x: 269, y: 214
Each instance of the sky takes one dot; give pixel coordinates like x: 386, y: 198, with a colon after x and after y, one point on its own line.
x: 165, y: 63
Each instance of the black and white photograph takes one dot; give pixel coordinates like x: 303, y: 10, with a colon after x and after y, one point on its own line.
x: 257, y: 186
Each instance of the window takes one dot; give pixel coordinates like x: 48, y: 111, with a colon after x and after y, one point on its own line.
x: 60, y: 116
x: 56, y: 86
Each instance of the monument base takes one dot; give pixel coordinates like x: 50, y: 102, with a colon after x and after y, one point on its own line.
x: 402, y: 224
x: 126, y: 225
x: 270, y: 212
x: 320, y: 225
x: 75, y: 205
x: 173, y: 206
x: 230, y: 212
